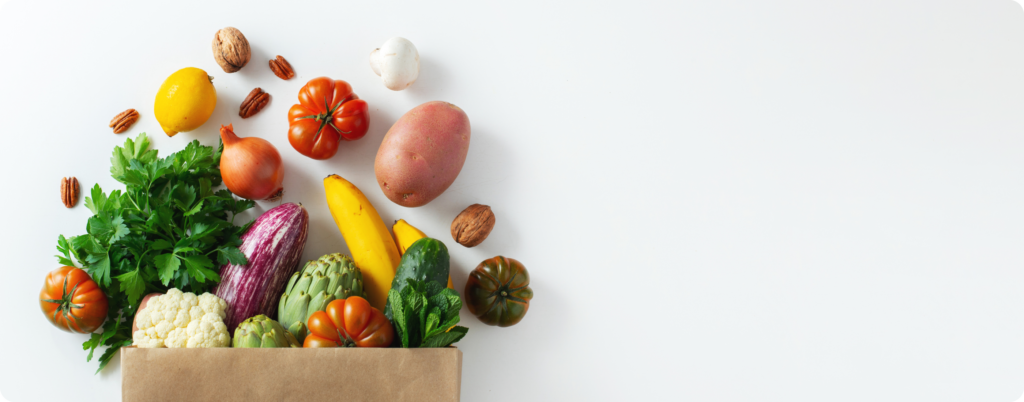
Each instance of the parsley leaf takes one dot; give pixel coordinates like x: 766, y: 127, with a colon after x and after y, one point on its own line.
x: 232, y: 255
x: 199, y: 268
x: 167, y: 264
x: 132, y: 284
x: 104, y: 227
x: 65, y: 248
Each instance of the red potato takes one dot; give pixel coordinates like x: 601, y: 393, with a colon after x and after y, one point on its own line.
x: 142, y: 305
x: 422, y: 153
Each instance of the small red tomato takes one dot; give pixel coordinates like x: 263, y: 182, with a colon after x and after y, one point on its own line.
x: 72, y: 301
x: 328, y: 112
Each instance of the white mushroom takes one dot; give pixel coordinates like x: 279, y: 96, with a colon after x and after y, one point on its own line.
x: 397, y: 63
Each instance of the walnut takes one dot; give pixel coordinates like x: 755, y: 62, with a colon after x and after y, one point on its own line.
x: 473, y: 225
x: 231, y: 49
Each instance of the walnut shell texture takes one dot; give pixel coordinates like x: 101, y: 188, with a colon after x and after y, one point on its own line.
x: 473, y: 225
x: 231, y: 49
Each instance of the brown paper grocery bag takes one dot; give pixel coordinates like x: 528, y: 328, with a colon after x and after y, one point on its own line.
x: 291, y: 374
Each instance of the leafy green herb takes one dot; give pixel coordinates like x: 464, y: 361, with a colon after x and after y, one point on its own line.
x: 166, y: 229
x: 425, y: 313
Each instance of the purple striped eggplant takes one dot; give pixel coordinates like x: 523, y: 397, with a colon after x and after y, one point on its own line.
x: 273, y: 246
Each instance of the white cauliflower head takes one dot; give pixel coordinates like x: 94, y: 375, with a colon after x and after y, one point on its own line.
x: 182, y: 320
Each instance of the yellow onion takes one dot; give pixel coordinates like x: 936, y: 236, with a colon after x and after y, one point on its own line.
x: 251, y: 167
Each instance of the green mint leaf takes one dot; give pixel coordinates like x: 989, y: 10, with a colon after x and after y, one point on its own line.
x: 433, y: 320
x: 441, y: 303
x: 423, y: 315
x: 166, y: 264
x: 454, y: 305
x: 445, y: 339
x: 397, y: 307
x: 432, y: 288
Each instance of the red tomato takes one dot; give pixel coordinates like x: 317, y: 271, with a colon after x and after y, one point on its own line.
x: 349, y: 322
x: 327, y: 113
x: 72, y: 301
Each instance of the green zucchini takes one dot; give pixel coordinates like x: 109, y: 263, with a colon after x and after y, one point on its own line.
x: 425, y: 260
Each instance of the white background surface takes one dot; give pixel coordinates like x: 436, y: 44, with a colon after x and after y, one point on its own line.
x: 795, y: 200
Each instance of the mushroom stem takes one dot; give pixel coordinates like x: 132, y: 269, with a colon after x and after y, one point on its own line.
x: 375, y: 61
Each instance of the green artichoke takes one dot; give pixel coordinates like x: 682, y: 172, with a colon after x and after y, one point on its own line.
x: 333, y: 276
x: 262, y: 332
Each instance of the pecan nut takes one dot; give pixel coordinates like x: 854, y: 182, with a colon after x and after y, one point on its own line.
x: 69, y: 191
x: 473, y: 225
x: 281, y: 68
x: 253, y: 103
x: 124, y: 120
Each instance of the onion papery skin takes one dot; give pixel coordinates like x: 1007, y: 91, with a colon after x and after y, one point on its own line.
x: 251, y: 167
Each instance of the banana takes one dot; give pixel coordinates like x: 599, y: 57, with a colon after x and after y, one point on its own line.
x: 406, y: 235
x: 373, y: 250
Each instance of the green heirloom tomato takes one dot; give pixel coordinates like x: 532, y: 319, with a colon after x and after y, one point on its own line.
x: 498, y: 291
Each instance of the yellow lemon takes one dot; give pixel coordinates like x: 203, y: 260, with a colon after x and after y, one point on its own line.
x: 185, y: 101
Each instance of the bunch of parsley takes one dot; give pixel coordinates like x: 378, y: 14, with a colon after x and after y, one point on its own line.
x: 164, y: 230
